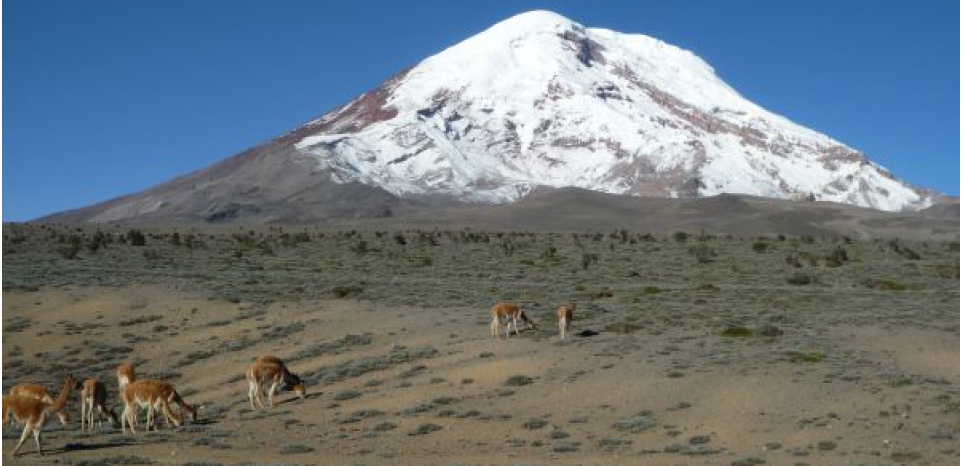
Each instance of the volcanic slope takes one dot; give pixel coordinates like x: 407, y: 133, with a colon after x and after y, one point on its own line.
x: 535, y: 100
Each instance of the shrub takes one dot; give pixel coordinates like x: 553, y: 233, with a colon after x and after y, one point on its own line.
x: 589, y: 259
x: 887, y: 285
x: 69, y: 251
x: 680, y: 236
x: 518, y: 381
x: 136, y: 238
x: 427, y: 238
x: 564, y: 446
x: 813, y: 357
x: 384, y: 426
x: 610, y: 443
x: 635, y: 424
x: 604, y: 292
x: 97, y: 241
x: 703, y: 253
x: 736, y: 332
x: 792, y: 259
x: 296, y: 448
x: 759, y: 247
x: 903, y: 250
x: 837, y: 257
x: 360, y: 247
x: 652, y: 290
x: 535, y: 423
x: 426, y: 428
x: 346, y: 395
x: 344, y: 291
x: 800, y: 278
x: 445, y: 400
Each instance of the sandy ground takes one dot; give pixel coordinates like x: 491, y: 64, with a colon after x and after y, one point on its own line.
x: 431, y: 386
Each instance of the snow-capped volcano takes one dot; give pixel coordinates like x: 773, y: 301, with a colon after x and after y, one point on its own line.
x: 538, y: 99
x: 535, y: 100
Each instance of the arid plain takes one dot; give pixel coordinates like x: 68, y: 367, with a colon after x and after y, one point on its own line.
x: 687, y: 348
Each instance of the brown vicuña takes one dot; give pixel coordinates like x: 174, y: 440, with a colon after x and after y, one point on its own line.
x: 93, y: 394
x: 512, y: 314
x: 270, y: 370
x: 172, y: 396
x: 564, y: 314
x: 149, y: 394
x: 33, y: 412
x: 125, y: 375
x: 41, y: 393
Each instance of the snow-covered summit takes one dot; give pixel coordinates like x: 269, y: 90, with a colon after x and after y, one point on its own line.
x: 538, y: 99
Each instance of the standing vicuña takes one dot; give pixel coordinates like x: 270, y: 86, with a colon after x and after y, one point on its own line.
x: 125, y: 375
x: 512, y: 314
x: 39, y: 392
x: 149, y: 394
x: 270, y: 369
x: 93, y: 394
x: 33, y: 412
x: 564, y: 314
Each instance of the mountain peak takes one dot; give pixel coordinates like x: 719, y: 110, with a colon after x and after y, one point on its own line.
x: 536, y: 20
x: 539, y: 100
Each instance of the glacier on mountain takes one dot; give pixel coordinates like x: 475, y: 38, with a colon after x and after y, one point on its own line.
x: 539, y: 100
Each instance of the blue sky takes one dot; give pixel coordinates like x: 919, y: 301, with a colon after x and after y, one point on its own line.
x: 104, y: 98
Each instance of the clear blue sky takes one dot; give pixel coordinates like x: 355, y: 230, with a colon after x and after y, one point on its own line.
x: 104, y: 98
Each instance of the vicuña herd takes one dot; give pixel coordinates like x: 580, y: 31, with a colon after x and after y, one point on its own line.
x: 31, y: 404
x: 511, y: 314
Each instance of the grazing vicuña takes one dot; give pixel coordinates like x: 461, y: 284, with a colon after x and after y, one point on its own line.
x: 147, y: 394
x: 271, y: 370
x: 512, y: 314
x: 93, y: 394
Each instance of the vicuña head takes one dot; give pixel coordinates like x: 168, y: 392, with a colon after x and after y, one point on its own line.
x: 294, y: 383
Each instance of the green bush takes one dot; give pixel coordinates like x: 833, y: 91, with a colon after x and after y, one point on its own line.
x: 136, y: 238
x: 703, y: 253
x: 423, y: 429
x: 736, y: 332
x: 837, y: 257
x: 345, y: 291
x: 518, y: 381
x: 69, y: 251
x: 887, y: 285
x: 800, y: 278
x: 812, y: 357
